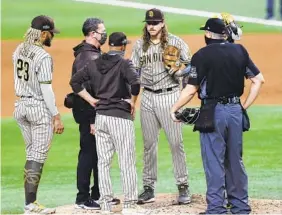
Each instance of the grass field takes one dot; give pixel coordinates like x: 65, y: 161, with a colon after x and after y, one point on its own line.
x: 70, y: 15
x: 262, y: 156
x: 262, y: 146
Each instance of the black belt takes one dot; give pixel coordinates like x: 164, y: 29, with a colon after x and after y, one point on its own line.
x: 159, y: 90
x: 222, y: 100
x: 29, y: 97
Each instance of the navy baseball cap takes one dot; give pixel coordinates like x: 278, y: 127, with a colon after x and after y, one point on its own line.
x: 214, y: 25
x: 44, y: 23
x: 154, y: 14
x: 118, y: 39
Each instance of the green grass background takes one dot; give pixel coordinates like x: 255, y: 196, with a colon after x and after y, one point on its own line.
x: 262, y: 157
x: 69, y: 16
x: 262, y: 145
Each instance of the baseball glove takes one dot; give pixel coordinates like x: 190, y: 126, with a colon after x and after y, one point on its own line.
x: 171, y: 58
x: 188, y: 115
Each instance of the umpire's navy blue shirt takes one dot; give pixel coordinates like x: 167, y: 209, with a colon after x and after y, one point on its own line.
x: 220, y: 68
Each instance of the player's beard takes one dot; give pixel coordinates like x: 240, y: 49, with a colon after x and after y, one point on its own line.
x: 47, y: 41
x: 156, y: 33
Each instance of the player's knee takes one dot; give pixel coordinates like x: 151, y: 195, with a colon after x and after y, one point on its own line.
x: 39, y: 157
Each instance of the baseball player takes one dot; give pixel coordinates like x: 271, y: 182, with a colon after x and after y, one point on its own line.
x: 116, y: 84
x: 161, y: 90
x: 217, y: 74
x: 35, y: 110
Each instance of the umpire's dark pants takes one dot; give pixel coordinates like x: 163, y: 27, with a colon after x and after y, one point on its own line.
x: 222, y: 156
x: 87, y: 162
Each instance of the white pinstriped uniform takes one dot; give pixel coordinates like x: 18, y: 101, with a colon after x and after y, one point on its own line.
x: 155, y: 108
x: 114, y: 134
x: 31, y: 113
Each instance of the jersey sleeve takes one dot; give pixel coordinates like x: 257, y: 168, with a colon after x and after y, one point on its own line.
x: 135, y: 56
x: 185, y: 52
x: 130, y: 73
x: 45, y: 71
x: 197, y: 72
x: 251, y: 70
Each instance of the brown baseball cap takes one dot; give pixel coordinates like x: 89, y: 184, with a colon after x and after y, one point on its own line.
x: 154, y: 14
x: 44, y: 23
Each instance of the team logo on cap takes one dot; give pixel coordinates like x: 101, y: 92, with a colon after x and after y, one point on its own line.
x: 151, y: 13
x: 45, y: 27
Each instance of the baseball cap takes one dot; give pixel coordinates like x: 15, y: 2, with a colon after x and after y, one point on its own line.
x: 118, y: 39
x: 44, y: 23
x: 214, y: 25
x: 154, y: 14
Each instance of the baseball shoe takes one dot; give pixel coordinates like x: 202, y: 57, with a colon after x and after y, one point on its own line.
x: 90, y: 204
x: 134, y: 210
x: 147, y: 196
x: 36, y: 208
x: 184, y: 195
x: 115, y: 201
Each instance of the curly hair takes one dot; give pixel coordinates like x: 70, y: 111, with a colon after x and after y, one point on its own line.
x: 146, y: 38
x: 31, y: 37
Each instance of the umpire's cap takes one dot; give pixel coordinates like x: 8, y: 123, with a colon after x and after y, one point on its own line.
x: 118, y: 39
x: 44, y: 23
x: 154, y: 14
x: 214, y: 25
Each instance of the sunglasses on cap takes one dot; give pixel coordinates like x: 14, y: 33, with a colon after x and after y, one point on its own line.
x: 153, y: 22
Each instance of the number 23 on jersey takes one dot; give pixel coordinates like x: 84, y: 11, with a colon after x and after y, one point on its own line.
x: 22, y: 69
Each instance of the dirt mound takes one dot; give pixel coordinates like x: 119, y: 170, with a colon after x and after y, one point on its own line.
x: 265, y: 50
x: 164, y: 205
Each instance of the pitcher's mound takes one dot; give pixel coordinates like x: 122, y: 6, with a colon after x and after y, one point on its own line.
x: 165, y: 204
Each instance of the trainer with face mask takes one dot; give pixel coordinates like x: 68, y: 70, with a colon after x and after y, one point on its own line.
x: 116, y: 85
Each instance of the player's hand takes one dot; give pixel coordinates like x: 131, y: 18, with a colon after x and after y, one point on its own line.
x: 92, y: 129
x: 58, y: 126
x: 132, y: 110
x: 173, y: 117
x: 171, y: 71
x: 93, y: 102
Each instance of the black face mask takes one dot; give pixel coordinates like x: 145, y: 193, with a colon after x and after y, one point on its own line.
x: 103, y: 38
x: 207, y: 40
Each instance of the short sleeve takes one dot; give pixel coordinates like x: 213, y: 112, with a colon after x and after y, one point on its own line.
x: 45, y: 70
x: 185, y: 52
x: 251, y: 70
x: 197, y: 72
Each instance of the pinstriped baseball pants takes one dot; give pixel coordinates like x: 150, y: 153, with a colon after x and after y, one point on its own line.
x: 155, y: 114
x: 114, y: 134
x: 35, y: 122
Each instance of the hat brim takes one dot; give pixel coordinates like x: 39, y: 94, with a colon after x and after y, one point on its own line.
x: 55, y: 31
x: 128, y: 42
x: 202, y: 28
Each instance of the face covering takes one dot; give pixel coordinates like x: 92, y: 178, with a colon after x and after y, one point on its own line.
x: 103, y: 38
x: 207, y: 40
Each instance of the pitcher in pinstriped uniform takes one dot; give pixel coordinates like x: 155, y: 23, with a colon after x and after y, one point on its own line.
x: 161, y: 90
x: 35, y: 110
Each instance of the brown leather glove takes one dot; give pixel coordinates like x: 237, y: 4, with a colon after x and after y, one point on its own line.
x: 171, y: 58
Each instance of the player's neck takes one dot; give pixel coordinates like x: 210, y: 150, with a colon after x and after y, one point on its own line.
x: 92, y: 42
x: 156, y: 39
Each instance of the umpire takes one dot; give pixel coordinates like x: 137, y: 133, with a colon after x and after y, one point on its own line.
x: 217, y: 74
x: 84, y: 114
x: 116, y: 85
